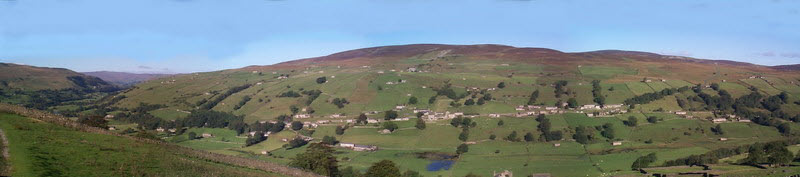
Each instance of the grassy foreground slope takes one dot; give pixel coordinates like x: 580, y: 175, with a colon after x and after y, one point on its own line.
x: 43, y: 149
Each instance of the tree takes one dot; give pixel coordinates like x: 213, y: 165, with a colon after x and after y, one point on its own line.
x: 644, y: 161
x: 294, y: 109
x: 319, y: 159
x: 297, y: 125
x: 780, y: 156
x: 255, y: 139
x: 652, y: 119
x: 432, y: 99
x: 501, y: 85
x: 340, y: 130
x: 785, y: 128
x: 572, y: 103
x: 455, y: 122
x: 632, y: 121
x: 391, y: 126
x: 529, y: 137
x: 390, y: 114
x: 412, y: 100
x: 329, y: 140
x: 487, y: 96
x: 340, y: 102
x: 94, y: 121
x: 481, y: 102
x: 420, y: 124
x: 492, y: 137
x: 461, y: 149
x: 583, y: 135
x: 321, y: 80
x: 296, y: 142
x: 192, y: 135
x: 512, y: 136
x: 362, y: 119
x: 464, y: 134
x: 469, y: 102
x: 534, y: 96
x: 717, y: 130
x: 384, y: 168
x: 608, y: 131
x: 500, y: 123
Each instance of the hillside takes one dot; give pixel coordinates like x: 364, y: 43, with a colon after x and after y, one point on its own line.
x: 356, y: 76
x: 44, y: 144
x: 787, y: 67
x: 527, y: 110
x: 123, y: 78
x: 26, y: 77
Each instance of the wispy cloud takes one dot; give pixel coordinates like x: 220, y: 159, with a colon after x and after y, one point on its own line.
x: 791, y: 55
x: 766, y: 54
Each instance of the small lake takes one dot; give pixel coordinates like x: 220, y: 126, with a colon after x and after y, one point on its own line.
x: 437, y: 165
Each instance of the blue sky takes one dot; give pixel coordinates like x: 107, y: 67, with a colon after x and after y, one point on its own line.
x: 181, y: 36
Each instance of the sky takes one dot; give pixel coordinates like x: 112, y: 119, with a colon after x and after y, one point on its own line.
x: 181, y: 36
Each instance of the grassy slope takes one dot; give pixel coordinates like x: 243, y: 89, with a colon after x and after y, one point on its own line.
x: 42, y: 149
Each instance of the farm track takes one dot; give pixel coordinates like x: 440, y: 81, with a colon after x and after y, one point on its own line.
x: 209, y: 156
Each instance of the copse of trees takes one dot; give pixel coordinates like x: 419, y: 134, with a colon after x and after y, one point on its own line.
x: 608, y: 131
x: 420, y: 124
x: 340, y: 130
x: 290, y: 93
x: 340, y: 102
x: 512, y: 137
x: 94, y: 121
x: 544, y: 127
x: 329, y: 140
x: 652, y: 119
x: 717, y: 130
x: 241, y: 103
x: 312, y: 95
x: 534, y: 96
x: 461, y: 149
x: 296, y: 142
x: 597, y: 92
x: 644, y: 161
x: 390, y: 114
x: 648, y: 97
x: 632, y: 121
x: 255, y: 139
x: 317, y: 158
x: 560, y: 88
x: 464, y: 135
x: 461, y: 122
x: 210, y: 104
x: 761, y: 151
x: 583, y: 135
x: 391, y: 126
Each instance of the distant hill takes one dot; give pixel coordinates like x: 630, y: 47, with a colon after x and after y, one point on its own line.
x: 123, y: 78
x: 14, y: 76
x: 795, y: 67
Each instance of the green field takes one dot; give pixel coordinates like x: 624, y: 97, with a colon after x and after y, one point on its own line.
x: 42, y: 149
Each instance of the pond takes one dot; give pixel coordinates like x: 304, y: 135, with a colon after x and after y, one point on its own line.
x: 437, y: 165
